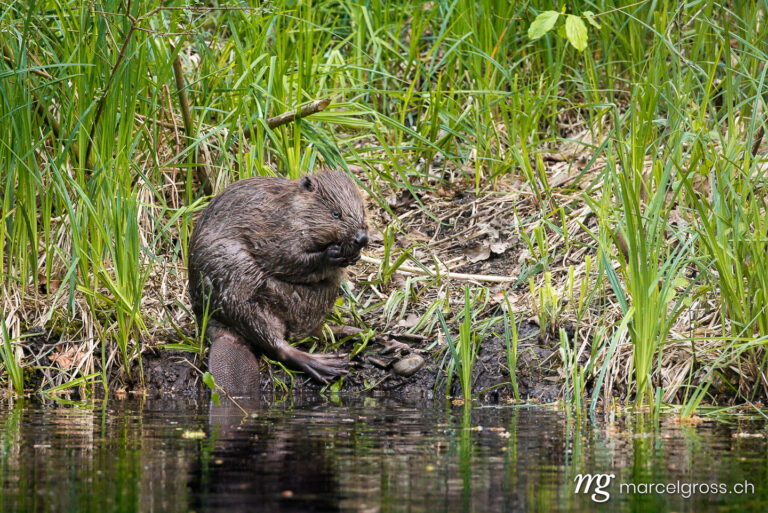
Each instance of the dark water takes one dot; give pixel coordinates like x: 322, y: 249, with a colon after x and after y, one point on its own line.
x: 367, y: 455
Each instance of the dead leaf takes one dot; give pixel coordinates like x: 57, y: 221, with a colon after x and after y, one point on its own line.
x: 67, y: 359
x: 499, y: 247
x: 409, y: 321
x: 676, y: 219
x: 420, y: 236
x: 478, y: 252
x: 498, y: 297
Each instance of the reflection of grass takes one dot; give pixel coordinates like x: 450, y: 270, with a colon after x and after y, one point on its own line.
x: 465, y: 455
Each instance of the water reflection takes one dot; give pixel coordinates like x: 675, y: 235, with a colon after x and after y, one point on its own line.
x: 366, y: 455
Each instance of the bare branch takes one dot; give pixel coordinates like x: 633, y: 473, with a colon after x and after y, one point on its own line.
x: 186, y: 113
x: 288, y: 117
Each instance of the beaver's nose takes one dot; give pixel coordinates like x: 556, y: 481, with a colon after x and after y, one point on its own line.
x: 361, y: 239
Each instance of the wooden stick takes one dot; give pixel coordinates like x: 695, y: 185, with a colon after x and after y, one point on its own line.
x: 9, y: 58
x: 434, y: 273
x: 288, y: 117
x: 103, y: 99
x: 203, y: 177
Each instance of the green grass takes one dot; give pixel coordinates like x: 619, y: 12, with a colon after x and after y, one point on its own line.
x: 511, y: 342
x: 463, y: 352
x: 10, y: 362
x: 655, y: 121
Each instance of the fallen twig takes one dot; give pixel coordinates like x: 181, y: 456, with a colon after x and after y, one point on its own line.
x: 434, y: 273
x: 287, y: 117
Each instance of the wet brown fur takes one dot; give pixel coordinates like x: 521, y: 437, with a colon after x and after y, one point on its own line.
x: 266, y: 261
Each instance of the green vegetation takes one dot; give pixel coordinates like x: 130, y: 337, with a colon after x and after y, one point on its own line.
x: 464, y: 352
x: 618, y: 150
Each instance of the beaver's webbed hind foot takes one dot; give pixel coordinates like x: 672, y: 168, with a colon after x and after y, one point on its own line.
x: 321, y: 367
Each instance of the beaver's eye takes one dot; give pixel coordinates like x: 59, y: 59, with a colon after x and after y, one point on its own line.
x: 336, y: 214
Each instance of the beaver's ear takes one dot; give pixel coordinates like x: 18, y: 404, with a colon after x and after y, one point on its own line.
x: 306, y: 184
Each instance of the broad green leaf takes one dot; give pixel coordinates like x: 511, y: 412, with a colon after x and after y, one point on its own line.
x: 590, y: 16
x: 576, y: 31
x: 542, y: 24
x: 209, y: 381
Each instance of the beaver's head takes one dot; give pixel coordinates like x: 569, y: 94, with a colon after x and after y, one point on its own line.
x: 337, y: 215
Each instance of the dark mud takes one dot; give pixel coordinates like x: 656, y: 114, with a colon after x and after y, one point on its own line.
x: 161, y: 372
x: 178, y: 373
x: 172, y: 373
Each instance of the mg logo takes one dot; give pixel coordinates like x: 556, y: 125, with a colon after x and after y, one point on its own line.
x: 600, y: 481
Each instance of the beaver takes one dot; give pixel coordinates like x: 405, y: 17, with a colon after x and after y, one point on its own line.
x: 266, y: 261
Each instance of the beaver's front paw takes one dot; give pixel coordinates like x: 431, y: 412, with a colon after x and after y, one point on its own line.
x: 334, y: 256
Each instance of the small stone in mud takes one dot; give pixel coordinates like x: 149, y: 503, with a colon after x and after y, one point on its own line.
x: 409, y: 365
